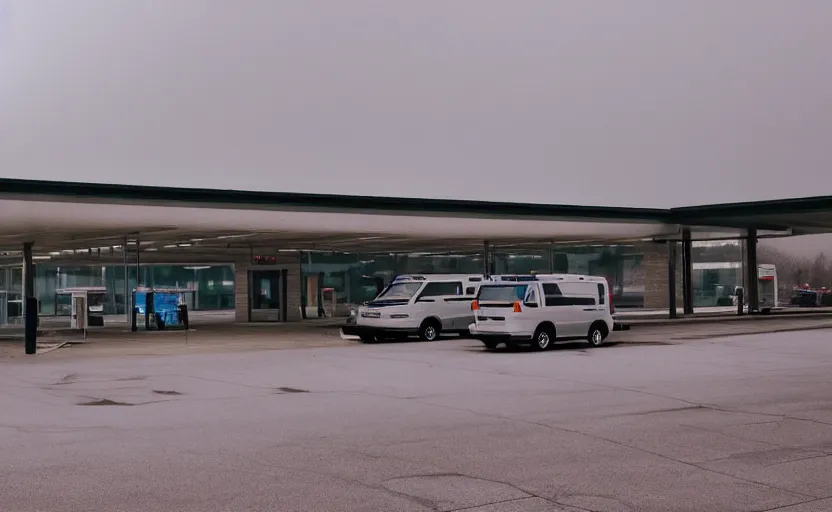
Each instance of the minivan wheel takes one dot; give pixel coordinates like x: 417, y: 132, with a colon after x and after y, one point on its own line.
x: 490, y: 345
x: 429, y: 331
x: 543, y: 339
x: 596, y: 335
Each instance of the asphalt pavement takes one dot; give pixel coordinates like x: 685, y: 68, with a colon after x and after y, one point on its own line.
x: 742, y: 423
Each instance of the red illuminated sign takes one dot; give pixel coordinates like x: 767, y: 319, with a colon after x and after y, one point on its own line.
x: 264, y: 260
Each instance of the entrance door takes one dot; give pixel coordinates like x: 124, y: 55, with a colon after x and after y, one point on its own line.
x: 266, y: 293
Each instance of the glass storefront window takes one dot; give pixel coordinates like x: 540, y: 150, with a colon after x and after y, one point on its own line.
x: 357, y: 278
x: 620, y: 264
x: 717, y: 272
x: 212, y: 287
x: 520, y: 262
x: 16, y: 280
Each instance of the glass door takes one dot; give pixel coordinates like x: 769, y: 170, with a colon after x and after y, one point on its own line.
x: 265, y: 293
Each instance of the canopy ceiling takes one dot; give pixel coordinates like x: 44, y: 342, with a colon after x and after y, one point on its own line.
x: 59, y: 216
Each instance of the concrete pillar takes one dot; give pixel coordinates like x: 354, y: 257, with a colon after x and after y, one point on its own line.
x: 653, y: 273
x: 138, y: 262
x: 671, y: 277
x: 687, y: 272
x: 128, y: 298
x: 551, y: 252
x: 242, y: 300
x: 752, y: 293
x: 487, y: 259
x: 30, y: 311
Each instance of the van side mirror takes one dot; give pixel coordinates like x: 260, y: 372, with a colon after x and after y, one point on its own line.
x: 530, y: 304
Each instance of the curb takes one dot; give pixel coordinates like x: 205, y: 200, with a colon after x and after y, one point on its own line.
x: 746, y: 333
x: 634, y: 322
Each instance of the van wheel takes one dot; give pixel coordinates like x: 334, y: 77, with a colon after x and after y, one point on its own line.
x: 543, y: 339
x: 429, y: 331
x: 490, y: 345
x: 597, y: 334
x: 367, y: 338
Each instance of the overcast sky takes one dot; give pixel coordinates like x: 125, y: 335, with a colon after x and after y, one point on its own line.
x: 627, y: 103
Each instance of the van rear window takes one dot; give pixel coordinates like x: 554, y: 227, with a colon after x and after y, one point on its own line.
x: 507, y: 293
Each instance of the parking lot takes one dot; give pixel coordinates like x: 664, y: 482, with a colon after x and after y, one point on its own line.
x: 710, y: 424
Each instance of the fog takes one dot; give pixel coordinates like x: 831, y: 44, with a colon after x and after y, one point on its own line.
x: 641, y: 103
x: 807, y: 246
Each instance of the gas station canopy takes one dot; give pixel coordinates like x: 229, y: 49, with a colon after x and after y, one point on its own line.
x: 59, y: 216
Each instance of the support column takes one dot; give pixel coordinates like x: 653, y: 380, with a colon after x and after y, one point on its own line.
x: 30, y: 308
x: 551, y: 259
x: 687, y: 272
x: 671, y: 277
x: 752, y: 272
x: 138, y: 262
x: 486, y: 258
x: 128, y: 299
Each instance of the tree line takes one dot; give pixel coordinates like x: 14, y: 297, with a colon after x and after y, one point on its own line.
x: 797, y: 271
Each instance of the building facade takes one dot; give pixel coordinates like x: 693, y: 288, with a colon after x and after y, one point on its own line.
x: 291, y: 285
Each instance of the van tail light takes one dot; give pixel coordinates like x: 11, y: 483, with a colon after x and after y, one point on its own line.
x: 612, y: 306
x: 475, y: 305
x: 517, y: 308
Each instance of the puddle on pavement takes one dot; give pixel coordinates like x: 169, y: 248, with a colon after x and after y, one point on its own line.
x: 166, y: 392
x: 105, y: 401
x: 290, y: 390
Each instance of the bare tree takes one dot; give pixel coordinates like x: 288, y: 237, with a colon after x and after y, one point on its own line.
x: 791, y: 271
x: 820, y: 273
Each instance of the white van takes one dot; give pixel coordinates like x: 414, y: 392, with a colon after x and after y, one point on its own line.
x: 423, y: 305
x: 541, y: 310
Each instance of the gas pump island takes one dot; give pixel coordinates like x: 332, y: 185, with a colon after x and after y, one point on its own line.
x: 85, y: 306
x: 159, y: 308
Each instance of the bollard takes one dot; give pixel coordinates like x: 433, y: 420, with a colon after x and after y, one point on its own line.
x: 740, y: 301
x: 31, y: 325
x: 183, y: 316
x: 149, y: 310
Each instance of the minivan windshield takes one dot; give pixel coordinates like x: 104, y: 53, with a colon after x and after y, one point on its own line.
x: 502, y: 293
x: 400, y: 291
